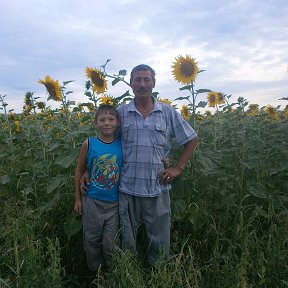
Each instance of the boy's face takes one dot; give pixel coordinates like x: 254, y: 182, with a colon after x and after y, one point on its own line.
x: 107, y: 123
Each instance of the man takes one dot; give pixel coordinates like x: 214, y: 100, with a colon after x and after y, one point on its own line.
x: 147, y: 129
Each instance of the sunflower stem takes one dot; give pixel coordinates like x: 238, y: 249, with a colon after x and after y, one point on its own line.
x: 193, y: 104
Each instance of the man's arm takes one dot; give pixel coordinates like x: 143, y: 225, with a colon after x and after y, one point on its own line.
x: 170, y: 173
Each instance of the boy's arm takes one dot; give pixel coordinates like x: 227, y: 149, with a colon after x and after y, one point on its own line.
x: 80, y: 168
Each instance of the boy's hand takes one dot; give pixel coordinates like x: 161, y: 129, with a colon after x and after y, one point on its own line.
x: 78, y: 207
x: 166, y: 162
x: 84, y: 181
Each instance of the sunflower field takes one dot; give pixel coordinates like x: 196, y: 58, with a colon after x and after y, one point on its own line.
x: 229, y: 207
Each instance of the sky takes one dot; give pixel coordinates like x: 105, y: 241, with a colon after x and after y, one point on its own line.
x: 242, y: 45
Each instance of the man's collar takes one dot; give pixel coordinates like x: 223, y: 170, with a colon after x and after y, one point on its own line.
x: 156, y: 106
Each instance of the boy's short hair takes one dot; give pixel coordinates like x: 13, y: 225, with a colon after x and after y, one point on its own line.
x: 105, y: 108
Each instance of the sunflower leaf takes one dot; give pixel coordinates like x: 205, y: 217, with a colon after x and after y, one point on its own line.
x: 115, y: 81
x: 66, y: 82
x: 85, y: 104
x: 182, y: 98
x: 69, y: 102
x: 201, y: 104
x: 5, y: 179
x: 258, y: 191
x: 72, y: 225
x: 283, y: 98
x: 155, y: 94
x: 203, y: 91
x: 66, y: 161
x: 125, y: 94
x: 123, y: 72
x: 56, y: 183
x: 188, y: 87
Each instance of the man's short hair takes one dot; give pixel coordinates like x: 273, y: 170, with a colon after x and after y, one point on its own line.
x: 142, y: 67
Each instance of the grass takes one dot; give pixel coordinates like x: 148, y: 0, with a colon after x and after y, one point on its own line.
x: 229, y: 209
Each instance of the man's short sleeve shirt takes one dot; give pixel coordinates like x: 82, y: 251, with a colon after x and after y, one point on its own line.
x: 145, y: 141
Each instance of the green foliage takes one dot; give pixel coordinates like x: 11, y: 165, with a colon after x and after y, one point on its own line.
x: 229, y: 208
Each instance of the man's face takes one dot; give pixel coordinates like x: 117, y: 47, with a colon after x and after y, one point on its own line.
x: 142, y: 84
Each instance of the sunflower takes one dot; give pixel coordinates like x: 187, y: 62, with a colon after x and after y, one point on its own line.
x: 212, y: 98
x: 27, y: 109
x: 90, y: 107
x: 165, y: 101
x: 185, y: 112
x: 40, y: 105
x: 253, y: 109
x: 185, y: 69
x: 79, y: 106
x: 99, y: 84
x: 28, y: 98
x: 286, y: 112
x: 18, y: 126
x: 53, y: 88
x: 108, y: 100
x: 12, y: 116
x: 270, y: 110
x: 220, y: 98
x: 208, y: 113
x: 273, y: 113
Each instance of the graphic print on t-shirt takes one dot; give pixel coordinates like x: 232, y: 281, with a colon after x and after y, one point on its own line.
x: 105, y: 172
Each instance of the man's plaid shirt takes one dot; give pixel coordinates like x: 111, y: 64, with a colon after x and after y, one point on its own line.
x: 145, y: 141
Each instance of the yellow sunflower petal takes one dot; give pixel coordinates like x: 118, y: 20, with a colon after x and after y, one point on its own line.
x: 185, y: 69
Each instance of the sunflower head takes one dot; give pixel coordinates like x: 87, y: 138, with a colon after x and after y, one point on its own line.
x: 208, y: 113
x: 165, y: 101
x: 185, y: 69
x: 99, y: 84
x: 212, y: 98
x: 12, y: 116
x: 286, y: 112
x: 90, y: 107
x: 108, y: 100
x: 40, y: 105
x: 253, y: 109
x: 270, y: 110
x: 273, y: 113
x: 220, y: 98
x: 17, y: 126
x: 53, y: 88
x: 28, y: 100
x: 185, y: 112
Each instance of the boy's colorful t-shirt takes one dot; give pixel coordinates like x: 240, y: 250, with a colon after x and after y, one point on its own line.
x: 104, y: 162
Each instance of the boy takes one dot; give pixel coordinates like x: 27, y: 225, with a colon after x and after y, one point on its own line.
x: 102, y: 156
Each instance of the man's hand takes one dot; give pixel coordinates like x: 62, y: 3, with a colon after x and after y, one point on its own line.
x: 169, y: 174
x: 84, y: 182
